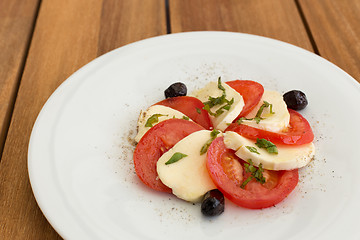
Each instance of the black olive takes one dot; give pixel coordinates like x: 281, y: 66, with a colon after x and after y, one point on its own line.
x: 176, y: 90
x: 213, y: 203
x: 295, y: 99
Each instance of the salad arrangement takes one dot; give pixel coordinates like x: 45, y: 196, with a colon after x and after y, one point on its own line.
x: 229, y: 139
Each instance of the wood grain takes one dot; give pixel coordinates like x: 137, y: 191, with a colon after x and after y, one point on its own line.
x: 17, y: 19
x: 335, y: 26
x: 277, y: 19
x: 131, y: 21
x: 68, y: 34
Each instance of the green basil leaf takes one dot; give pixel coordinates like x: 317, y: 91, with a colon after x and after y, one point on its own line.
x: 246, y: 181
x: 214, y: 101
x: 220, y: 86
x: 213, y: 135
x: 240, y: 120
x: 252, y: 149
x: 175, y: 157
x: 256, y: 173
x: 205, y: 147
x: 269, y: 146
x: 153, y: 119
x: 272, y: 149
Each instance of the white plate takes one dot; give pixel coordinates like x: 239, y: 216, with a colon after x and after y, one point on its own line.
x: 80, y: 156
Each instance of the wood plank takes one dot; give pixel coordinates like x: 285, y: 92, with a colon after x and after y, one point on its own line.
x: 277, y: 19
x: 68, y: 34
x: 17, y: 19
x: 131, y: 21
x: 335, y: 26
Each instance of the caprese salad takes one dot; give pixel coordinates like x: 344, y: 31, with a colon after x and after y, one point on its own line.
x: 229, y: 139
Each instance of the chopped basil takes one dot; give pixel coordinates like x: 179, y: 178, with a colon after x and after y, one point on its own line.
x: 246, y: 181
x: 225, y: 107
x: 252, y: 149
x: 257, y: 117
x: 215, y: 101
x: 269, y: 146
x: 205, y: 147
x: 256, y: 173
x: 261, y: 109
x: 153, y: 119
x: 240, y: 120
x: 214, y: 133
x: 271, y: 111
x: 207, y: 108
x: 212, y: 101
x: 186, y: 117
x: 198, y: 110
x: 220, y: 86
x: 175, y: 157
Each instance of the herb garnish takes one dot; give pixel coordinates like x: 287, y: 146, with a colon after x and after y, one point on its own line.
x: 213, y: 101
x: 153, y: 119
x: 240, y: 120
x: 220, y: 86
x: 256, y: 173
x: 175, y: 157
x: 252, y: 149
x: 269, y: 146
x: 257, y: 117
x: 185, y: 117
x: 205, y: 147
x: 198, y: 110
x: 225, y: 107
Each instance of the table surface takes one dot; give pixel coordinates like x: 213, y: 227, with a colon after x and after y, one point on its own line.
x: 43, y: 42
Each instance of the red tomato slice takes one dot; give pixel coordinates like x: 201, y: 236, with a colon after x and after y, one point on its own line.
x: 191, y: 107
x: 226, y: 171
x: 154, y: 143
x: 250, y: 91
x: 299, y: 131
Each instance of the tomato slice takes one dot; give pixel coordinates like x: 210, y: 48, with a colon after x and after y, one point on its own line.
x: 191, y: 107
x: 250, y: 91
x: 299, y: 132
x: 227, y: 172
x: 154, y: 143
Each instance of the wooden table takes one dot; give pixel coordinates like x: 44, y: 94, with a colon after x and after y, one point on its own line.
x: 44, y: 42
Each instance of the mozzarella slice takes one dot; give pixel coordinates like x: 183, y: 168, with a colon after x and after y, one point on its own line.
x: 288, y: 157
x: 276, y: 122
x: 188, y: 178
x: 211, y: 90
x: 165, y: 112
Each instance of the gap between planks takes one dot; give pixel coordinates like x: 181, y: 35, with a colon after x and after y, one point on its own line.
x: 307, y: 27
x: 168, y: 20
x: 12, y: 102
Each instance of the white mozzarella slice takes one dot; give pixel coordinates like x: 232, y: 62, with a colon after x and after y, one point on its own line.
x: 188, y: 178
x: 165, y: 112
x: 211, y: 90
x: 288, y: 157
x: 276, y: 122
